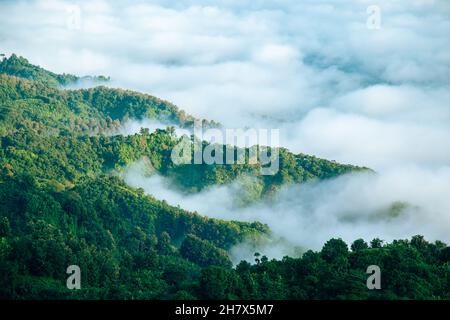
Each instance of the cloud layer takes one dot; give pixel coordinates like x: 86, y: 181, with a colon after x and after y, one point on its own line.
x: 396, y: 204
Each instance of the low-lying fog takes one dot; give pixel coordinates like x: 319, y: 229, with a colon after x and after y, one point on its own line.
x: 395, y: 204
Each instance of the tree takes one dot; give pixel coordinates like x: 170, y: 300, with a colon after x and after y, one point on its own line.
x: 217, y: 283
x: 376, y: 243
x: 203, y: 252
x: 5, y: 227
x: 334, y: 250
x: 359, y: 244
x: 257, y: 259
x: 164, y: 245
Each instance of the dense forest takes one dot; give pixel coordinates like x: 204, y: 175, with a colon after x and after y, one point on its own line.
x: 63, y: 202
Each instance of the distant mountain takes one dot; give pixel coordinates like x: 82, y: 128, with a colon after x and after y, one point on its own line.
x: 20, y: 67
x: 95, y: 110
x: 49, y: 111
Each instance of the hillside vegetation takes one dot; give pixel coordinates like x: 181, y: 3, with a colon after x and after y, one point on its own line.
x: 63, y: 202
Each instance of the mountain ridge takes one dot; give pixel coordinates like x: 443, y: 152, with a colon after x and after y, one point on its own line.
x: 62, y: 202
x: 104, y: 110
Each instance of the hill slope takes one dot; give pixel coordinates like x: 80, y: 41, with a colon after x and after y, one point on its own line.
x: 20, y: 67
x: 62, y: 202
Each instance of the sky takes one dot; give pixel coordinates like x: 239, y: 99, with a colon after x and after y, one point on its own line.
x: 360, y: 82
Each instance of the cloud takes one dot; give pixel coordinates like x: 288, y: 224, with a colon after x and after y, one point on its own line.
x: 397, y: 204
x: 359, y: 139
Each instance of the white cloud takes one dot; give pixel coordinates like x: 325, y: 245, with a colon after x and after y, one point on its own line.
x: 380, y: 144
x: 396, y: 204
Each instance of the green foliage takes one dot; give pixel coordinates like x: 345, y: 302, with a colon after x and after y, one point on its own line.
x: 359, y: 244
x: 203, y: 252
x: 335, y: 273
x: 63, y: 202
x: 217, y: 283
x: 20, y: 67
x: 115, y: 233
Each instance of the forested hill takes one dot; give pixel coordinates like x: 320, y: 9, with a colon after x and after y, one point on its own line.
x: 92, y: 110
x: 63, y: 202
x: 20, y: 67
x: 34, y: 112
